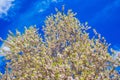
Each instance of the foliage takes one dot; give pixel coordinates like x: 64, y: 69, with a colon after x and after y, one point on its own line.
x: 66, y: 52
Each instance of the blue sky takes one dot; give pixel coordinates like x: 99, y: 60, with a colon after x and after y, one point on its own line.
x: 103, y: 15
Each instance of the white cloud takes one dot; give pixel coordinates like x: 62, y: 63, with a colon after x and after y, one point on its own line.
x: 57, y: 1
x: 5, y: 5
x: 4, y: 50
x: 43, y: 5
x: 116, y: 55
x: 106, y: 11
x: 116, y: 48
